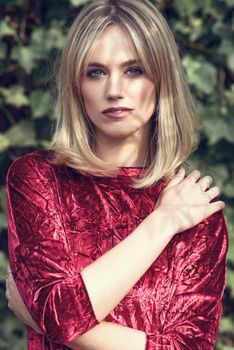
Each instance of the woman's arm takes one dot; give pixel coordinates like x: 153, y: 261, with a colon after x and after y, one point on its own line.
x: 191, y: 315
x: 110, y: 336
x: 104, y: 336
x: 56, y: 295
x: 183, y: 204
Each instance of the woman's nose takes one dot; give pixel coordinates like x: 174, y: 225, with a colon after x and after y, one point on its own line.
x: 114, y: 88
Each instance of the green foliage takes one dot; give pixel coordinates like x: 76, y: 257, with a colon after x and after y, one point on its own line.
x: 14, y: 96
x: 78, y: 2
x: 31, y: 37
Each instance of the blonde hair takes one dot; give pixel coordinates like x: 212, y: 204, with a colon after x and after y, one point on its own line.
x: 175, y: 120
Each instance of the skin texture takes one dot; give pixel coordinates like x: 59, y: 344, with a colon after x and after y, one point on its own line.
x: 110, y: 277
x: 114, y: 85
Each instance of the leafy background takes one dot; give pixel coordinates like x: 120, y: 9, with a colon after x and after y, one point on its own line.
x: 31, y: 37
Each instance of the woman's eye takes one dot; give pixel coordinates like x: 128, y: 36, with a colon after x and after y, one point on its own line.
x: 94, y: 73
x: 135, y: 71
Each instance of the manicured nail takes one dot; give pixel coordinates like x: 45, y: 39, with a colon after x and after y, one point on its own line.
x: 180, y: 171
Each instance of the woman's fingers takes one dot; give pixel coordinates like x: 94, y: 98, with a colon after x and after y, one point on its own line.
x: 216, y: 206
x: 205, y: 182
x: 213, y: 192
x: 177, y: 178
x: 194, y: 176
x: 188, y: 200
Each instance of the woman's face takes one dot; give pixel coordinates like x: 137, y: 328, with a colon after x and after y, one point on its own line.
x: 118, y: 96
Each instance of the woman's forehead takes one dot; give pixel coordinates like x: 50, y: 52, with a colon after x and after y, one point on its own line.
x: 114, y: 44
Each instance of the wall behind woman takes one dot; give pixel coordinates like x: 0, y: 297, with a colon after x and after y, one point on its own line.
x: 31, y: 37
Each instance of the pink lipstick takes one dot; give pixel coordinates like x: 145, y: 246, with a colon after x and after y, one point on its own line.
x: 117, y: 112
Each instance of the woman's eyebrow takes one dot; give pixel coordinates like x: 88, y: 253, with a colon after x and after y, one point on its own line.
x: 122, y: 65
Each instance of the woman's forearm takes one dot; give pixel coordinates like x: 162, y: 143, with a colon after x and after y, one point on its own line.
x: 104, y: 336
x: 109, y: 278
x: 110, y: 336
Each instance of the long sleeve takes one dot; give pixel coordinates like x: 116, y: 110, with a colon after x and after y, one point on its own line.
x: 40, y: 256
x: 191, y: 307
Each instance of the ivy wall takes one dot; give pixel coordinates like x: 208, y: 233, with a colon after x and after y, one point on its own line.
x: 31, y: 37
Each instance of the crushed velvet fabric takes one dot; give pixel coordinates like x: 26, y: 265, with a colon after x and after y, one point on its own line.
x: 60, y: 221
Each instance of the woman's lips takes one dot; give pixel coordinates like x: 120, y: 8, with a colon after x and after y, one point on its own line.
x: 117, y: 113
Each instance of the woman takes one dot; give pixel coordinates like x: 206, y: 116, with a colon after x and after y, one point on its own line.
x: 111, y: 247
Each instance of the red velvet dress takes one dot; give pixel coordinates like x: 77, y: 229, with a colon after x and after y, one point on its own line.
x: 60, y: 221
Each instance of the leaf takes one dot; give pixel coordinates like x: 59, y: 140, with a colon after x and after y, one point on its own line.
x: 202, y: 75
x: 230, y: 60
x: 229, y: 3
x: 197, y: 29
x: 188, y: 7
x: 78, y: 2
x: 14, y: 96
x: 3, y: 266
x: 25, y: 56
x: 3, y: 198
x: 225, y: 48
x: 230, y: 283
x: 229, y: 94
x: 226, y: 325
x: 53, y: 37
x: 228, y: 190
x: 4, y: 143
x: 3, y: 220
x: 40, y: 103
x: 222, y: 29
x: 230, y: 254
x: 6, y: 30
x: 217, y: 129
x: 22, y: 134
x: 11, y: 325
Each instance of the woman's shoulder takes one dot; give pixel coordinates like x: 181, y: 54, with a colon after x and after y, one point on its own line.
x: 37, y: 163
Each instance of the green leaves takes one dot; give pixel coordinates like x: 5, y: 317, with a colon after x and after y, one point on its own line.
x: 40, y: 103
x: 6, y: 30
x: 14, y: 96
x: 201, y: 74
x: 30, y: 42
x: 78, y: 2
x: 26, y: 57
x: 4, y: 143
x: 22, y: 134
x: 188, y: 7
x: 42, y: 43
x: 217, y: 128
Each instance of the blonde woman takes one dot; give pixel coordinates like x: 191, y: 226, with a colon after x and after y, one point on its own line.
x: 112, y: 246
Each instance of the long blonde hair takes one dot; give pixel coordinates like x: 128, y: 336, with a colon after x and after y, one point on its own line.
x: 175, y: 120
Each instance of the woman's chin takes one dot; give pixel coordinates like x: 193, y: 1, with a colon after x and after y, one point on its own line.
x: 120, y: 133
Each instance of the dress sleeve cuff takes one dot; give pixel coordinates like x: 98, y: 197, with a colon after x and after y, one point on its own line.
x: 150, y: 343
x: 158, y: 342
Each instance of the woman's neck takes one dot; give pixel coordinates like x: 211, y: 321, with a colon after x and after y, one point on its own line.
x: 122, y: 153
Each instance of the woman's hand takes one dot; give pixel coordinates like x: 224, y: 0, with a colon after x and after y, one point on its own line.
x: 16, y: 304
x: 186, y: 201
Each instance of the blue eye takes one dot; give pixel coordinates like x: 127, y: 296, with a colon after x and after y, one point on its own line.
x: 94, y: 73
x: 98, y: 73
x: 135, y: 71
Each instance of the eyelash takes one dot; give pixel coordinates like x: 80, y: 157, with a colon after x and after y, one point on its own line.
x: 90, y: 73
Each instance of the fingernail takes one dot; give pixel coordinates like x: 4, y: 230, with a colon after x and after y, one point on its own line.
x: 180, y: 171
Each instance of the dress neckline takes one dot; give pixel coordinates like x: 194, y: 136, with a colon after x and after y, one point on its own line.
x: 130, y: 171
